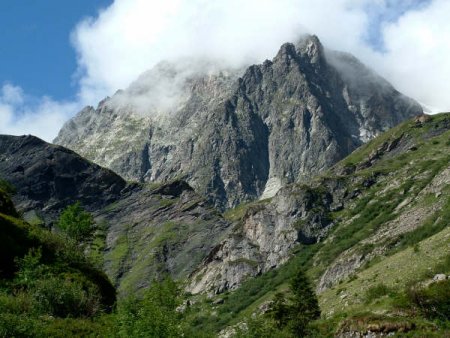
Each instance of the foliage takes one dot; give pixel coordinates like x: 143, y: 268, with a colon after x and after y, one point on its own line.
x: 40, y: 291
x: 7, y: 187
x: 53, y: 292
x: 279, y: 311
x: 287, y: 317
x: 155, y: 315
x: 47, y: 287
x: 305, y: 306
x: 377, y: 291
x: 300, y: 310
x: 66, y: 297
x: 260, y: 327
x: 76, y: 222
x: 30, y: 267
x: 432, y: 301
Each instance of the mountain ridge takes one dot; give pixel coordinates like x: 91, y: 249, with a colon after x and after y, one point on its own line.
x: 231, y: 135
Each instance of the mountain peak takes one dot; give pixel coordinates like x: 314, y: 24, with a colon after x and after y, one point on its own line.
x: 310, y: 46
x: 232, y: 136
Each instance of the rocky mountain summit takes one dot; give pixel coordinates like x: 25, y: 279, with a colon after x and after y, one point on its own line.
x: 239, y: 135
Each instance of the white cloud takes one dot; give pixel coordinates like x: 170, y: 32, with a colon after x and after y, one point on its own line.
x: 417, y: 54
x: 26, y: 115
x: 131, y: 36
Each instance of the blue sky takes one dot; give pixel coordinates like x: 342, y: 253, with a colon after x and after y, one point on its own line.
x: 57, y: 56
x: 36, y: 52
x: 393, y: 10
x: 35, y: 48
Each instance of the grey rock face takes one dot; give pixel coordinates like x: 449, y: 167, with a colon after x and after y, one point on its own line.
x: 266, y: 233
x: 238, y: 135
x: 156, y: 231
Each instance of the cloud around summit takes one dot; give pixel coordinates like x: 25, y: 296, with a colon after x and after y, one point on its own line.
x: 406, y: 41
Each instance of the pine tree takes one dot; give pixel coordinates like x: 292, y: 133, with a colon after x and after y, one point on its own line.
x: 305, y: 306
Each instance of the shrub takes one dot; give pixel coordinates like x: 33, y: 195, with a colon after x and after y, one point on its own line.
x: 377, y: 291
x: 18, y: 303
x: 54, y: 293
x: 30, y: 267
x: 76, y: 222
x: 155, y: 315
x: 13, y: 325
x: 432, y: 301
x: 66, y: 297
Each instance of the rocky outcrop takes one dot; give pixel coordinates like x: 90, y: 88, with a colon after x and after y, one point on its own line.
x: 238, y: 135
x: 267, y: 231
x: 374, y: 328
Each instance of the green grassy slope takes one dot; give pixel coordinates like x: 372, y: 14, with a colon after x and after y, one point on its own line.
x: 47, y: 286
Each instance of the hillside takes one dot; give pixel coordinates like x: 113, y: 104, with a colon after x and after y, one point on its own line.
x: 47, y: 286
x: 229, y: 133
x: 157, y: 230
x: 45, y: 178
x: 143, y: 231
x: 365, y: 230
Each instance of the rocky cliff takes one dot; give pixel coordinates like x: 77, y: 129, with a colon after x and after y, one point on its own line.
x: 238, y: 135
x: 364, y: 207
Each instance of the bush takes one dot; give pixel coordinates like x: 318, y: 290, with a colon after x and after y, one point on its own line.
x: 432, y: 301
x: 18, y: 303
x: 76, y: 222
x: 66, y: 297
x: 377, y: 291
x: 30, y: 268
x: 52, y: 292
x: 155, y: 315
x: 13, y: 325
